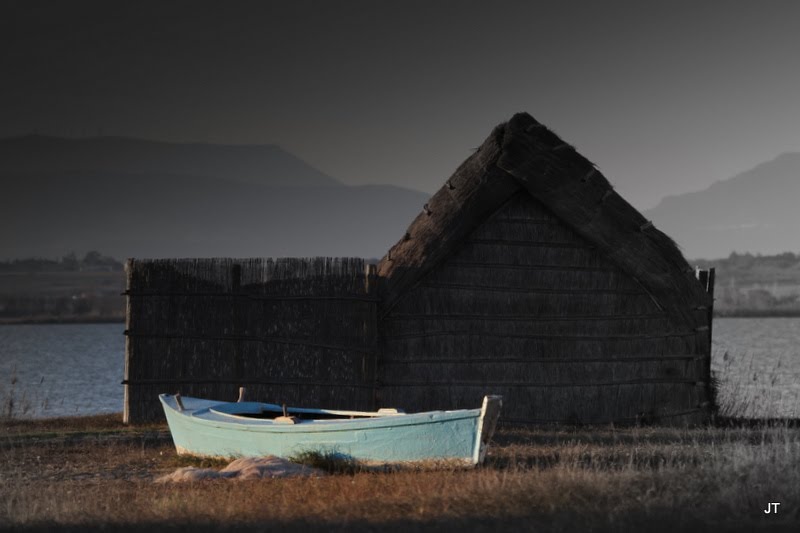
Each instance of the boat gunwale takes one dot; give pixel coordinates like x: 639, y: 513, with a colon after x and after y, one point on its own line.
x: 237, y: 423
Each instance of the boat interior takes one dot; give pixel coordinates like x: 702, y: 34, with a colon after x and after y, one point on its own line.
x: 262, y: 411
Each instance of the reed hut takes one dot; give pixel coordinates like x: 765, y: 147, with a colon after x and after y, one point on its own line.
x: 527, y: 275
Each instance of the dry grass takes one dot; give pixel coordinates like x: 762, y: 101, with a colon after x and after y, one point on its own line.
x: 749, y: 387
x: 329, y: 461
x: 65, y: 426
x: 588, y: 479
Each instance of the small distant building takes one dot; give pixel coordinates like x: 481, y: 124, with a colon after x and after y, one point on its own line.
x: 525, y: 275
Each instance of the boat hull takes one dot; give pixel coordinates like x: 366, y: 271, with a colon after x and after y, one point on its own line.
x: 207, y: 428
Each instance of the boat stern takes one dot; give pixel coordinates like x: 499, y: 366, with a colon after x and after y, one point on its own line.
x: 490, y: 413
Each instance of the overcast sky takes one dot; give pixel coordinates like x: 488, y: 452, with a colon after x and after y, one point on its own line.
x: 665, y: 97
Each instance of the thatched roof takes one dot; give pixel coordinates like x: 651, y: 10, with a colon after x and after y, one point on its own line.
x: 523, y: 154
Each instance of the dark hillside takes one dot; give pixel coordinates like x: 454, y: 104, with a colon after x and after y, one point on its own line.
x: 133, y: 198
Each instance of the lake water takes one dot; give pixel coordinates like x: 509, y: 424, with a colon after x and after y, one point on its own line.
x: 76, y: 369
x: 61, y: 369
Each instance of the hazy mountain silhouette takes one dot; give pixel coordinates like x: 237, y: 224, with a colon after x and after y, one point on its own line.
x: 260, y: 164
x: 134, y: 198
x: 755, y: 211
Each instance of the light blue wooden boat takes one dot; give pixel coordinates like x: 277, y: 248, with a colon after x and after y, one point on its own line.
x: 388, y: 436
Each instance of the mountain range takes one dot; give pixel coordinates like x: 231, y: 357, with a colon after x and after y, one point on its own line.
x: 136, y: 198
x: 756, y: 211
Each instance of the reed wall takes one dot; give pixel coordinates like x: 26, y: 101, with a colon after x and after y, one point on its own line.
x: 528, y: 309
x: 300, y: 331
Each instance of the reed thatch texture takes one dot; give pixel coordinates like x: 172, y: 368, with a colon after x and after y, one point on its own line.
x: 300, y: 331
x: 527, y: 276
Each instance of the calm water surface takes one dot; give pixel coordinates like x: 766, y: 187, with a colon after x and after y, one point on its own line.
x: 61, y: 369
x: 76, y: 369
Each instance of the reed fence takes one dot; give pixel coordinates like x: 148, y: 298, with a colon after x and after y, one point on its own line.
x: 300, y: 331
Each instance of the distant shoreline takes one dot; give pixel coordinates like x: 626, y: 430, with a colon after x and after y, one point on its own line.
x: 62, y: 320
x: 758, y: 313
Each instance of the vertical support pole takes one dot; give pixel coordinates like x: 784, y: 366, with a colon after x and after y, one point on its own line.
x: 702, y: 277
x: 236, y: 278
x: 237, y: 319
x: 710, y: 290
x: 126, y: 403
x: 372, y: 360
x: 706, y: 279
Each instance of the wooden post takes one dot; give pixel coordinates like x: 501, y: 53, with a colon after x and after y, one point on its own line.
x: 702, y: 277
x: 706, y: 279
x: 126, y: 407
x: 370, y: 275
x: 179, y: 401
x: 370, y: 362
x: 236, y: 325
x: 710, y: 290
x: 236, y: 277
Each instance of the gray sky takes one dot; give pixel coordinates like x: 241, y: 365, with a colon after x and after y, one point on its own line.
x: 666, y: 97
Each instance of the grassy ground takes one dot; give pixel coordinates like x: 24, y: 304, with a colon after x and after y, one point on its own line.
x: 95, y: 473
